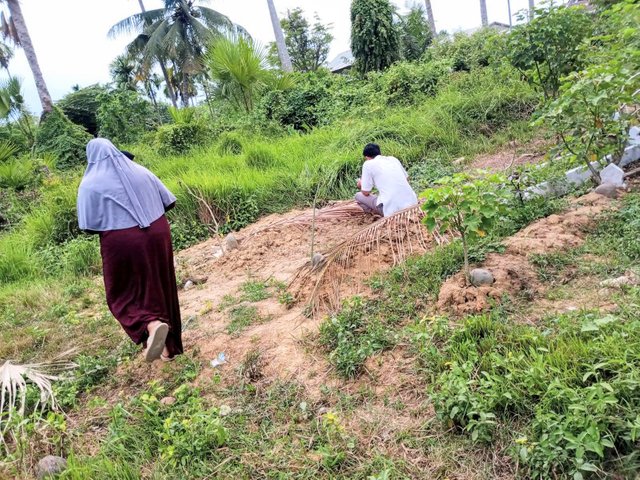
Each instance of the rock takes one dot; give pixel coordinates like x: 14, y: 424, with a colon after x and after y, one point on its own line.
x: 50, y: 466
x: 230, y: 242
x: 628, y: 279
x: 612, y: 174
x: 217, y: 252
x: 188, y: 285
x: 323, y: 411
x: 480, y: 276
x: 608, y: 190
x: 317, y: 260
x: 168, y: 401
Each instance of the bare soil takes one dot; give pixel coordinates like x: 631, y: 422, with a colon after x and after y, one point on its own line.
x: 514, y: 275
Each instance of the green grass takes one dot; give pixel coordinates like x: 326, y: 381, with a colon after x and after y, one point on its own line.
x: 241, y: 317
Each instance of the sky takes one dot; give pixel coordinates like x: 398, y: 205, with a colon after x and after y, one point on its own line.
x: 70, y: 36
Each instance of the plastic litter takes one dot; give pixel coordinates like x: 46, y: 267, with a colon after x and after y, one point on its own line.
x: 220, y: 360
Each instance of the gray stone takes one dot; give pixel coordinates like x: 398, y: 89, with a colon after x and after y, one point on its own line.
x: 217, y: 252
x: 317, y: 260
x: 50, y: 466
x: 612, y: 174
x: 188, y: 285
x: 607, y: 189
x: 168, y: 401
x: 631, y: 154
x: 230, y: 242
x: 628, y: 279
x: 480, y: 276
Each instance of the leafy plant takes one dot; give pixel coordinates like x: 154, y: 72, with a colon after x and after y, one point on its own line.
x: 546, y: 48
x: 468, y: 204
x: 375, y: 41
x: 236, y: 65
x: 308, y: 46
x: 62, y: 138
x: 415, y: 35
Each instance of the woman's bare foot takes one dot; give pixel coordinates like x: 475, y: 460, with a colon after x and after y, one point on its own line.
x: 155, y: 343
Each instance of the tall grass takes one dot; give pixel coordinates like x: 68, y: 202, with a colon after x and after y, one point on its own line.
x: 275, y: 174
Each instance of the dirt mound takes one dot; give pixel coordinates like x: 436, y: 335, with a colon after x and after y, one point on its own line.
x: 275, y: 248
x: 513, y: 274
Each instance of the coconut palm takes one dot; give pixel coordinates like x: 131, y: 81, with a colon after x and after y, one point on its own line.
x: 432, y: 22
x: 483, y: 13
x: 123, y: 72
x: 283, y: 53
x: 179, y: 33
x: 15, y: 28
x: 532, y: 9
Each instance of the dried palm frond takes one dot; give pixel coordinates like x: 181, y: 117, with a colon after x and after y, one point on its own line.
x: 13, y: 387
x: 338, y: 211
x: 386, y: 242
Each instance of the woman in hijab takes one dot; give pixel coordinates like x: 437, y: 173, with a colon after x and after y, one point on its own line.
x: 125, y: 204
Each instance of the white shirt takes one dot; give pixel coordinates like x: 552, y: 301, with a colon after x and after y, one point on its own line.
x: 390, y: 178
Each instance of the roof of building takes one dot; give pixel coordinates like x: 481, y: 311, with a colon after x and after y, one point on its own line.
x: 341, y: 61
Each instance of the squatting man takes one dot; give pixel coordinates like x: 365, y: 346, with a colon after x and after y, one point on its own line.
x: 389, y: 177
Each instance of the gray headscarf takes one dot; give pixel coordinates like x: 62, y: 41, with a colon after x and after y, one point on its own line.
x: 116, y: 193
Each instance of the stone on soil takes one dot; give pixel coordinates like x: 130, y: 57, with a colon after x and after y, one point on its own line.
x: 480, y: 277
x: 612, y: 174
x: 230, y: 242
x: 318, y: 259
x: 50, y: 466
x: 608, y: 190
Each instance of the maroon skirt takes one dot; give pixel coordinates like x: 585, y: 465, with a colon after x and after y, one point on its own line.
x: 140, y: 280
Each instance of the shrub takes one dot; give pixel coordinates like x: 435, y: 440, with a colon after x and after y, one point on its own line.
x: 403, y: 82
x: 261, y: 158
x: 309, y: 103
x: 124, y: 116
x: 81, y: 107
x: 229, y: 144
x: 545, y: 49
x: 179, y: 138
x: 466, y: 52
x: 17, y: 174
x: 62, y: 138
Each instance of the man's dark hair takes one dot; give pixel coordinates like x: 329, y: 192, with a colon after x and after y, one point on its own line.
x: 371, y: 150
x: 129, y: 155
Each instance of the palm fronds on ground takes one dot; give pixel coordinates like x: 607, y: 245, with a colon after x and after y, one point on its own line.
x: 14, y: 380
x: 388, y: 241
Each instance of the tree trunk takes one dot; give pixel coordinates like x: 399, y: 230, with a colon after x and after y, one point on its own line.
x: 483, y: 13
x: 432, y: 21
x: 25, y: 42
x: 285, y: 60
x: 172, y: 94
x: 532, y: 8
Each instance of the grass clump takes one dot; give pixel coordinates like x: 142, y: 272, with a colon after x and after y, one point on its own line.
x: 243, y: 316
x: 230, y: 143
x: 261, y: 158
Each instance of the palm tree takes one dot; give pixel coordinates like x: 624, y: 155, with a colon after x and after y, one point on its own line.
x: 483, y: 13
x: 236, y: 66
x: 16, y: 29
x: 123, y: 72
x: 285, y: 61
x: 432, y: 21
x: 532, y: 9
x: 179, y: 32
